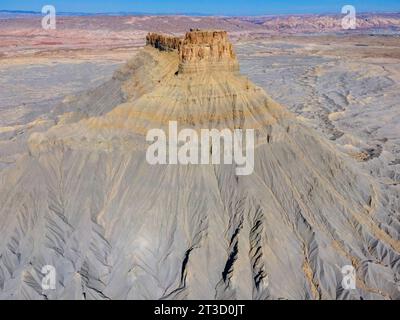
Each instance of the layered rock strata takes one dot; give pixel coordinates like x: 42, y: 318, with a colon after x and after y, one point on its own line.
x: 198, y: 50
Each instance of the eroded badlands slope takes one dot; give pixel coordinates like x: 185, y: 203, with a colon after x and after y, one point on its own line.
x: 84, y: 199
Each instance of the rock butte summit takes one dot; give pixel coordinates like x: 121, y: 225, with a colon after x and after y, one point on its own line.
x: 198, y: 50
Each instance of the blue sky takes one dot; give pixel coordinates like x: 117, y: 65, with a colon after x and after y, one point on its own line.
x: 221, y: 7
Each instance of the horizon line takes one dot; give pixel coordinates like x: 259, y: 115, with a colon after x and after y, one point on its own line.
x: 199, y: 14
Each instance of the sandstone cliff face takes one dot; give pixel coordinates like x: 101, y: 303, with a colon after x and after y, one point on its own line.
x: 163, y: 42
x: 199, y: 50
x: 207, y: 50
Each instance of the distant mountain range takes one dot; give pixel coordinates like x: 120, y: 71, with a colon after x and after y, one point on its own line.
x: 198, y: 14
x: 22, y: 12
